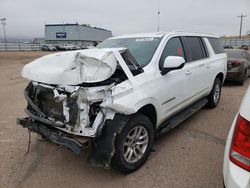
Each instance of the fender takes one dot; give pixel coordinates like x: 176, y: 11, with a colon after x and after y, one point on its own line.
x: 104, y: 148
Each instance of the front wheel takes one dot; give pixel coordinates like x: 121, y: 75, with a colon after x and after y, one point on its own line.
x: 133, y: 145
x: 214, y: 96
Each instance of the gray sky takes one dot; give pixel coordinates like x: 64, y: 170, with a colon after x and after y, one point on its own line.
x: 26, y: 18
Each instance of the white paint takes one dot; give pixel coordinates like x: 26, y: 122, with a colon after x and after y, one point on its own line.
x: 72, y: 68
x: 245, y: 105
x: 234, y: 176
x: 187, y: 85
x: 173, y: 61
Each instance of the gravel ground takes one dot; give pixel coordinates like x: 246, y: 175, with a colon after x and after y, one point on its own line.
x: 189, y: 156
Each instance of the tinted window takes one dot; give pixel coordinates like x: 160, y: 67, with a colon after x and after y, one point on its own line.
x: 142, y: 49
x: 216, y: 45
x: 195, y: 48
x: 172, y: 48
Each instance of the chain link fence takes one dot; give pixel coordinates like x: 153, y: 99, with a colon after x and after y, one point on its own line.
x: 236, y: 42
x: 19, y: 47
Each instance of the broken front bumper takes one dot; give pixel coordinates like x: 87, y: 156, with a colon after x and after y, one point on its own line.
x: 102, y: 147
x: 54, y: 135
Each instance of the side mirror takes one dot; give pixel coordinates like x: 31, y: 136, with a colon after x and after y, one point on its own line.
x: 172, y: 63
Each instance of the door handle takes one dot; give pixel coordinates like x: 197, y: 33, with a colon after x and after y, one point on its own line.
x: 201, y: 65
x: 188, y: 72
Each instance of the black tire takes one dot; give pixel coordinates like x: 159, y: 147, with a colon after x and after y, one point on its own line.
x: 118, y: 161
x: 212, y: 100
x: 241, y: 82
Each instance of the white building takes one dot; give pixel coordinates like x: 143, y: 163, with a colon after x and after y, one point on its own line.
x: 75, y: 34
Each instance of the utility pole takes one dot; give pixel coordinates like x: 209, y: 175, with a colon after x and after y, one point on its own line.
x: 158, y: 16
x: 3, y: 22
x: 241, y: 22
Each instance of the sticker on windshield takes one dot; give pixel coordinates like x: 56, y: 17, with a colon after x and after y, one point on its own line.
x: 144, y: 39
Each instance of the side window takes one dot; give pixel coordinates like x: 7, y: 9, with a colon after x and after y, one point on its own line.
x: 195, y: 48
x: 216, y: 45
x: 173, y: 48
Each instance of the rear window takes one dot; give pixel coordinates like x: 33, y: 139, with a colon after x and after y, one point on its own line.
x: 237, y: 54
x: 216, y: 45
x: 195, y: 48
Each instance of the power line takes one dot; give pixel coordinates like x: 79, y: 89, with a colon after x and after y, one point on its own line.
x: 241, y: 22
x: 158, y: 15
x: 3, y: 22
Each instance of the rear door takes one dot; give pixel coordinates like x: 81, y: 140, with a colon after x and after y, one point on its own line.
x: 197, y: 67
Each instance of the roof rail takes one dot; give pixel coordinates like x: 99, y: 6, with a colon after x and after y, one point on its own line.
x: 194, y: 32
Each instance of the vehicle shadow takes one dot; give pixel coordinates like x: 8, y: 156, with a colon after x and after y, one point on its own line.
x: 228, y: 83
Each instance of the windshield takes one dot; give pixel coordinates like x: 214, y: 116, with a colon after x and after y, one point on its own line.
x: 142, y: 49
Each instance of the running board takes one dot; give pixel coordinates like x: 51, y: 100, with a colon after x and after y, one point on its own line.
x: 180, y: 117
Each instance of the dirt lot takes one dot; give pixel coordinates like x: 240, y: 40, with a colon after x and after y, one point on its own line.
x: 189, y: 156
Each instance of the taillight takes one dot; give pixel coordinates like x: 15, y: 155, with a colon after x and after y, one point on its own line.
x: 234, y: 63
x: 240, y: 146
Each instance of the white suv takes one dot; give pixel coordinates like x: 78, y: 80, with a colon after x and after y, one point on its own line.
x: 122, y: 94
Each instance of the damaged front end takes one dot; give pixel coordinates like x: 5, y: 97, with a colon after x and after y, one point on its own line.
x: 73, y: 109
x: 77, y: 111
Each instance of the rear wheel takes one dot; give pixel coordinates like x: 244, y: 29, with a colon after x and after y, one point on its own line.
x: 214, y: 96
x: 241, y: 82
x: 133, y: 145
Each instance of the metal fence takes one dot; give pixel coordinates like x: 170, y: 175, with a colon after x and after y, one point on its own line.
x: 37, y: 47
x: 236, y: 42
x: 19, y: 47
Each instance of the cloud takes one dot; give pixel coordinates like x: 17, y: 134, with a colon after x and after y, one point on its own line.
x: 26, y: 18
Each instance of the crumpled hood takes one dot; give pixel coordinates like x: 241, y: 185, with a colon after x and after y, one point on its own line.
x: 72, y: 68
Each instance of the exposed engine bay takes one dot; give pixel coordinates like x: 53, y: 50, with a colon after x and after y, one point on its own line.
x: 76, y: 110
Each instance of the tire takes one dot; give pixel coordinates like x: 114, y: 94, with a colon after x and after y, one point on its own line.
x: 214, y: 96
x: 128, y: 144
x: 241, y: 82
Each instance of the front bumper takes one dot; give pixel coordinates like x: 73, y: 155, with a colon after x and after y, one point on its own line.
x: 54, y: 135
x: 102, y: 149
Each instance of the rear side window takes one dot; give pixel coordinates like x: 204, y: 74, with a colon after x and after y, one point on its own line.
x: 216, y: 45
x: 195, y: 48
x: 173, y: 48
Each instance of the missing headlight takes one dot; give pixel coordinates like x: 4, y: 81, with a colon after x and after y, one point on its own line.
x: 93, y: 111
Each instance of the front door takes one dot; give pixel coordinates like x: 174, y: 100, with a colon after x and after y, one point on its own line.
x: 175, y: 87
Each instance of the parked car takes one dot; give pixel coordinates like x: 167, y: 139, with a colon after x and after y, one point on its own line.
x: 59, y: 47
x: 244, y: 47
x: 69, y: 47
x: 120, y: 96
x: 48, y: 47
x: 238, y: 65
x: 236, y: 168
x: 78, y: 47
x: 228, y: 47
